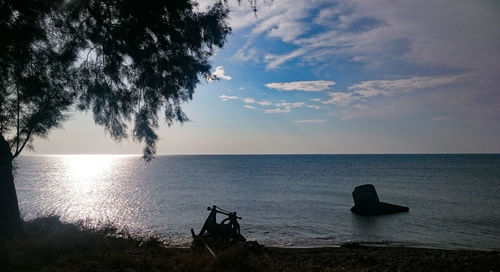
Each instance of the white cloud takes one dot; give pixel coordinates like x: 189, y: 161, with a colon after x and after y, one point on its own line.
x: 249, y: 100
x: 250, y: 107
x: 219, y: 74
x: 315, y: 99
x: 281, y: 20
x: 276, y: 60
x: 341, y: 98
x: 227, y: 97
x: 316, y: 107
x: 387, y: 39
x: 285, y: 107
x: 290, y: 105
x: 398, y: 86
x: 386, y: 88
x: 456, y: 101
x: 380, y: 33
x: 264, y: 103
x: 277, y: 110
x: 307, y: 86
x: 245, y: 54
x: 310, y: 121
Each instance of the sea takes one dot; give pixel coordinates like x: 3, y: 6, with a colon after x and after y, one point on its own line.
x: 284, y: 200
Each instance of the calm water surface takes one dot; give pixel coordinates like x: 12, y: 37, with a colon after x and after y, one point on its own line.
x: 285, y: 200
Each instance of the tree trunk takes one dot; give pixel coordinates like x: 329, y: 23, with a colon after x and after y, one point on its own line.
x: 10, y: 218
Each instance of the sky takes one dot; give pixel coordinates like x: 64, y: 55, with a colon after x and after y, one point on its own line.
x: 335, y: 77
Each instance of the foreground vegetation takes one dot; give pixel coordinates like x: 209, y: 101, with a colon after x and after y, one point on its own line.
x: 51, y: 245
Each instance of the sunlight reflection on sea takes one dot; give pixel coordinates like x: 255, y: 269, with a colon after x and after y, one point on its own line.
x: 287, y: 200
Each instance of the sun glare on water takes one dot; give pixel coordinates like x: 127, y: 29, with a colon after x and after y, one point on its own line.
x: 89, y: 187
x: 86, y: 170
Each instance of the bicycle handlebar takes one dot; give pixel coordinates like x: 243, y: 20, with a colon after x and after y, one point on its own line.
x: 219, y: 211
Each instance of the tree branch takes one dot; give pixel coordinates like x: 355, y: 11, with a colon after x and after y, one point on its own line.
x: 23, y: 145
x: 18, y: 116
x: 90, y: 50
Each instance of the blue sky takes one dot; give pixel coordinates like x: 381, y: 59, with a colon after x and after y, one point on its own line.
x: 337, y: 77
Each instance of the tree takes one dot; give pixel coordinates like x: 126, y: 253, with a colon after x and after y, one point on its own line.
x: 35, y: 64
x: 124, y: 61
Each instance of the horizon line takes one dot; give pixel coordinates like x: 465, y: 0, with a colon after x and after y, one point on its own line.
x: 251, y: 154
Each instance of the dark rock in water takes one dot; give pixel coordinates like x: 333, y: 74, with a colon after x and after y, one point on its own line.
x: 353, y: 245
x: 365, y: 195
x: 366, y: 202
x: 378, y: 209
